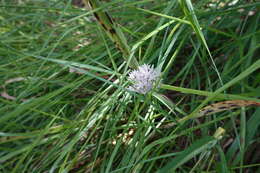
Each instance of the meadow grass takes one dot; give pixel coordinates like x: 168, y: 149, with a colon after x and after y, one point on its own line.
x: 65, y: 107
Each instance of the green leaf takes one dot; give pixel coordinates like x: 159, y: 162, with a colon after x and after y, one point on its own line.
x: 197, y: 147
x: 223, y: 161
x: 252, y: 126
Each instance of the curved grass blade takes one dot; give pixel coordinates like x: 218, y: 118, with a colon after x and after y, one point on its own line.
x: 196, y: 148
x: 113, y: 31
x: 215, y: 108
x: 226, y: 105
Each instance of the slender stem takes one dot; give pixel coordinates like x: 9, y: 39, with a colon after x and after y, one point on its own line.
x: 207, y: 93
x: 112, y: 30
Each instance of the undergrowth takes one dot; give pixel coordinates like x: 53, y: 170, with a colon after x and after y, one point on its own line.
x: 64, y: 101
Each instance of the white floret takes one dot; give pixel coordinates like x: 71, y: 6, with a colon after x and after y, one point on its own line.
x: 143, y: 78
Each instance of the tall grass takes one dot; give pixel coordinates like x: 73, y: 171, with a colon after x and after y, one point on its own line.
x: 64, y: 104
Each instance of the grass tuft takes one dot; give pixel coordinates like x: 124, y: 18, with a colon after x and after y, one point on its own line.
x: 64, y: 102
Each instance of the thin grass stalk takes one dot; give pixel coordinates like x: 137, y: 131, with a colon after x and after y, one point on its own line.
x: 112, y: 30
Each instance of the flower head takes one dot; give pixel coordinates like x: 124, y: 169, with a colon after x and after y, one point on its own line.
x: 143, y: 78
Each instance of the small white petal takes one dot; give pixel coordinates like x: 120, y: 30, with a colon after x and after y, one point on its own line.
x: 143, y: 78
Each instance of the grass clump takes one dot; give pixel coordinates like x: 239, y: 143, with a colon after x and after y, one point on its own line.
x: 64, y: 101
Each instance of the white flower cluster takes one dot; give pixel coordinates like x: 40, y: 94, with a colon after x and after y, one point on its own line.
x: 143, y: 78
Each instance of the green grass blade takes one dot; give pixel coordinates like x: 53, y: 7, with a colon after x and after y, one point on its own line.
x: 196, y: 148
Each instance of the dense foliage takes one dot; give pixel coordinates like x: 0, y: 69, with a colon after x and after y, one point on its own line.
x: 65, y: 107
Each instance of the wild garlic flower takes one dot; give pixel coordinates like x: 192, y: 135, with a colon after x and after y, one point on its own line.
x: 144, y: 78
